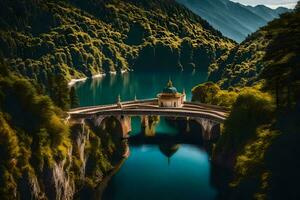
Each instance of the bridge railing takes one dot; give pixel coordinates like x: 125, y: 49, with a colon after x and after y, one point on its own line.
x: 151, y: 109
x: 216, y: 107
x: 190, y: 108
x: 150, y: 100
x: 113, y: 105
x: 164, y: 112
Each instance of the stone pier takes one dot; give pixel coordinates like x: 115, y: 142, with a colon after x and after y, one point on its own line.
x: 210, y: 130
x: 125, y: 124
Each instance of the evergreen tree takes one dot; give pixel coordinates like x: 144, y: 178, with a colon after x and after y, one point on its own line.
x: 74, y: 100
x: 59, y: 91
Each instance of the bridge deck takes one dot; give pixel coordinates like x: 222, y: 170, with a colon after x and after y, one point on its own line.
x: 151, y: 107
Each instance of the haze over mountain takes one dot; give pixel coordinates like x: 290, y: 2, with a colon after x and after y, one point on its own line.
x: 270, y: 3
x: 273, y: 48
x: 234, y: 20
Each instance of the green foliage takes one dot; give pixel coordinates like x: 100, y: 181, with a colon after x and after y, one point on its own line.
x: 34, y: 137
x: 205, y: 93
x: 251, y: 174
x: 247, y: 135
x: 74, y: 100
x: 77, y: 38
x: 258, y: 145
x: 270, y: 54
x: 210, y: 93
x: 242, y: 65
x: 97, y: 163
x: 23, y: 104
x: 9, y: 153
x: 59, y: 91
x: 251, y: 109
x: 265, y: 166
x: 31, y: 132
x: 9, y: 142
x: 282, y: 70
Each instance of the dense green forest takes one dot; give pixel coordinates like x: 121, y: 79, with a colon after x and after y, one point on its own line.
x: 274, y: 46
x: 41, y: 38
x: 41, y: 155
x: 260, y: 81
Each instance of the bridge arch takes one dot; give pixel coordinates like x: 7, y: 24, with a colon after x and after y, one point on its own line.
x: 116, y: 124
x: 210, y: 130
x: 208, y: 116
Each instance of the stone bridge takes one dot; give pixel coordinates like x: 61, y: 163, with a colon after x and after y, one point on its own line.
x: 208, y: 116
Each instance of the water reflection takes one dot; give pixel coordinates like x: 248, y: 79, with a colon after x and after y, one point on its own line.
x: 168, y: 149
x: 146, y: 174
x: 104, y: 90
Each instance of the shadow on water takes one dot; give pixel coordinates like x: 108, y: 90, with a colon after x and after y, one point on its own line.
x: 163, y: 138
x: 168, y: 147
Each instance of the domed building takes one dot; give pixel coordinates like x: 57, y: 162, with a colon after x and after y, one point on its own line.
x: 170, y: 97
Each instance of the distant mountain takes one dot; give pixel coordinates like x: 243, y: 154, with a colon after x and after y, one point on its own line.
x: 234, y: 20
x: 270, y: 52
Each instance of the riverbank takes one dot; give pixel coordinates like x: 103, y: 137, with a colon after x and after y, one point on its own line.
x: 104, y: 183
x: 72, y: 82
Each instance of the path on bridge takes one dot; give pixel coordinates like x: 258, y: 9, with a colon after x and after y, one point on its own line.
x: 151, y: 107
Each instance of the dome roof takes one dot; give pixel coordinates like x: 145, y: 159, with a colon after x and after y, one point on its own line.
x: 170, y: 89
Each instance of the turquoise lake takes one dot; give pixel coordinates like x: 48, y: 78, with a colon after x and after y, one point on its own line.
x: 148, y: 173
x: 105, y: 90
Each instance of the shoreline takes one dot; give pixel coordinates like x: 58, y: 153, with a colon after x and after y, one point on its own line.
x: 72, y: 82
x: 101, y: 187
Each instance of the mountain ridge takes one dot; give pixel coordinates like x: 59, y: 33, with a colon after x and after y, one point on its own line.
x: 233, y: 19
x: 272, y: 48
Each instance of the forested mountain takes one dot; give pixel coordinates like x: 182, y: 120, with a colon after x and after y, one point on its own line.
x: 260, y: 81
x: 234, y: 20
x: 42, y: 156
x: 77, y: 38
x: 272, y: 52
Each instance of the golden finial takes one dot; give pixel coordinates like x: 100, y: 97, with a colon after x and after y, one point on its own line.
x: 170, y: 83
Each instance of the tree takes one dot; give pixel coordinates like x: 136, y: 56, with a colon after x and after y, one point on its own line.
x: 297, y: 8
x: 252, y: 109
x: 282, y: 68
x: 74, y: 100
x: 186, y: 55
x: 205, y: 93
x: 9, y: 152
x: 59, y: 91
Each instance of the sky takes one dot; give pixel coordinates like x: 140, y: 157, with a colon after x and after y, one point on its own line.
x: 269, y: 3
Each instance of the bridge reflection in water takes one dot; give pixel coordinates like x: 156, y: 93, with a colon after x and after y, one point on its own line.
x: 190, y: 115
x: 208, y: 116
